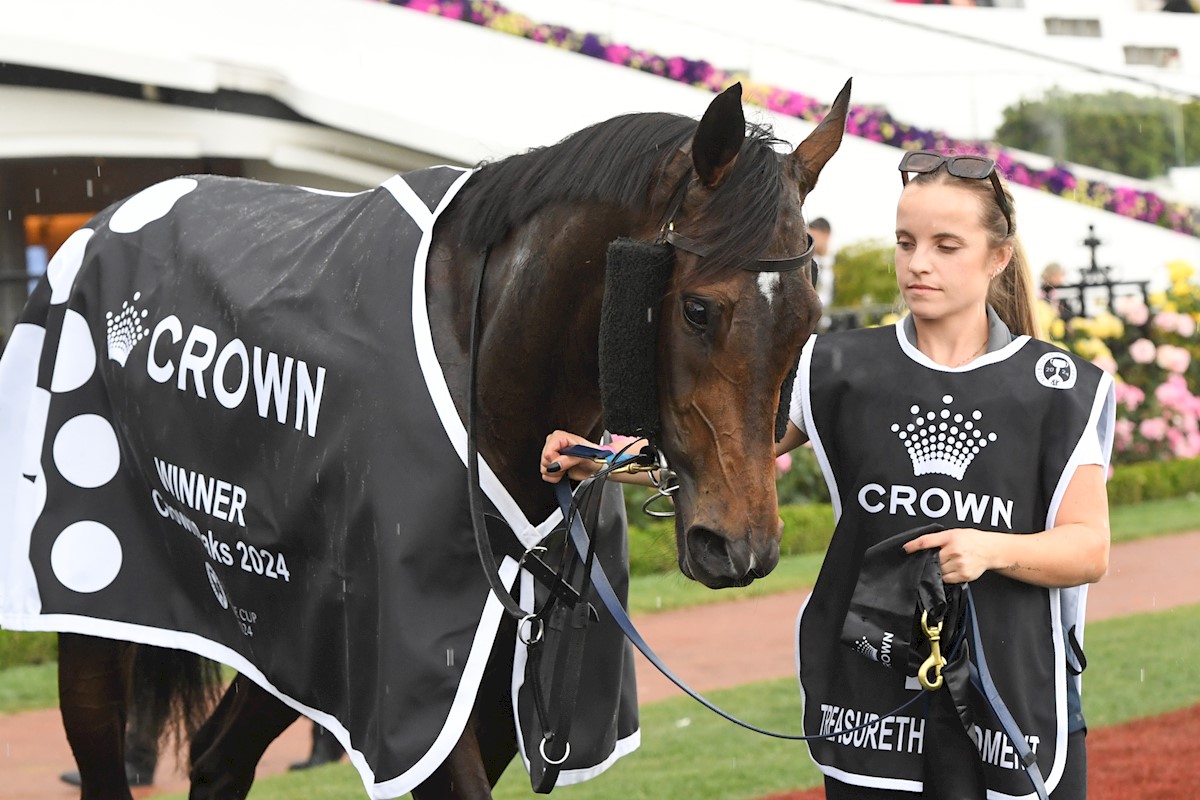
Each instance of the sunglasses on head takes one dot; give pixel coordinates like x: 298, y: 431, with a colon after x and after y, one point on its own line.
x: 964, y: 166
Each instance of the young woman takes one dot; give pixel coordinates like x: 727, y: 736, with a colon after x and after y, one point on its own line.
x: 959, y: 416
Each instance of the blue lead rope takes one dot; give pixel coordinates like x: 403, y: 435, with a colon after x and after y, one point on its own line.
x: 980, y: 676
x: 617, y: 611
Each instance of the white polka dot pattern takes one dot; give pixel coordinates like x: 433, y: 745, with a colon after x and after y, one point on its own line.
x: 86, y: 451
x: 35, y: 432
x: 31, y: 500
x: 149, y: 204
x: 86, y: 556
x: 76, y: 359
x: 63, y: 268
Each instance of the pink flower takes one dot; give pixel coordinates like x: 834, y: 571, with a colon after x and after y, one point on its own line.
x: 1166, y: 321
x: 1184, y: 445
x: 1123, y: 433
x: 1154, y: 429
x: 783, y: 463
x: 1185, y: 326
x: 1106, y: 363
x: 1129, y: 395
x: 1173, y: 394
x: 1173, y: 359
x: 1142, y: 351
x: 1132, y: 309
x: 616, y: 53
x: 1191, y: 446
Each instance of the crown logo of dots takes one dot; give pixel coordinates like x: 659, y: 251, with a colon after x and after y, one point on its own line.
x: 945, y: 441
x: 125, y: 329
x: 865, y: 648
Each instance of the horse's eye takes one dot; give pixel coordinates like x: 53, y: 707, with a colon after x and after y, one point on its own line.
x: 696, y: 313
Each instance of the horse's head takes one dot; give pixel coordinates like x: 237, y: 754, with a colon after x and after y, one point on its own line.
x: 731, y: 329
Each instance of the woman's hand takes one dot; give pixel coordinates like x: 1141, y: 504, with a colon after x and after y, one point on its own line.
x: 555, y: 465
x: 965, y: 553
x: 1072, y: 553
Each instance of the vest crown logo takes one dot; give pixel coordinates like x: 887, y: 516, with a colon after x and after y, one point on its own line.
x: 125, y: 330
x: 1056, y: 371
x: 943, y: 442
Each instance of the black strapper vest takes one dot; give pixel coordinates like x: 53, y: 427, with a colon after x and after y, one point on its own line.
x: 902, y: 445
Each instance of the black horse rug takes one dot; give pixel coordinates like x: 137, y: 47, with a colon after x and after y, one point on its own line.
x: 226, y: 430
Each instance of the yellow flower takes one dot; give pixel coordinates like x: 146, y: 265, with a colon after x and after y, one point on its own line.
x: 511, y: 23
x: 1107, y: 326
x: 1180, y: 271
x: 1091, y: 348
x: 1158, y: 299
x: 1058, y: 329
x: 1046, y: 313
x: 1082, y: 326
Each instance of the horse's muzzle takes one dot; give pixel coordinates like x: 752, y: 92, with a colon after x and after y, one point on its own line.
x: 719, y: 562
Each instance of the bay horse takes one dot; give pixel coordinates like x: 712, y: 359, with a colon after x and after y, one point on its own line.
x: 727, y: 337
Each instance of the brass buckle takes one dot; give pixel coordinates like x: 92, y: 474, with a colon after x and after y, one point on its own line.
x: 935, y: 662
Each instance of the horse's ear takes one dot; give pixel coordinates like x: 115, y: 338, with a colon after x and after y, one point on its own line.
x: 719, y: 137
x: 820, y: 145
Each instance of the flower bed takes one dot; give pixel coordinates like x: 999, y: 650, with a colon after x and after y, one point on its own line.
x: 1153, y: 354
x: 868, y: 122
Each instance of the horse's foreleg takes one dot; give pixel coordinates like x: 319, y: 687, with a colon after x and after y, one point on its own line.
x: 93, y: 678
x: 227, y: 748
x: 462, y: 776
x: 496, y: 733
x: 489, y: 741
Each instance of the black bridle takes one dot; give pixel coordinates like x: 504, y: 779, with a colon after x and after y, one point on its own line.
x: 668, y: 235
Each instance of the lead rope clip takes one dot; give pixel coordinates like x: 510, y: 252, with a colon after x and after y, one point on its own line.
x: 935, y: 662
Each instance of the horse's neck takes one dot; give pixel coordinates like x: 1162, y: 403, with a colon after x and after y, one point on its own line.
x: 537, y: 367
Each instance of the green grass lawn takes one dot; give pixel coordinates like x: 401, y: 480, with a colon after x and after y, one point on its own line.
x: 1154, y: 518
x: 28, y: 687
x: 1139, y: 666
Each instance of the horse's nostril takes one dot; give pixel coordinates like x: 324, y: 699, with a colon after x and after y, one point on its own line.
x: 713, y: 556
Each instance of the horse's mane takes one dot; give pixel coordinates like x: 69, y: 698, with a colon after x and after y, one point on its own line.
x: 614, y: 162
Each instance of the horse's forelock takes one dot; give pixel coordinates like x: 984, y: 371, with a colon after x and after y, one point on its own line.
x: 739, y: 220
